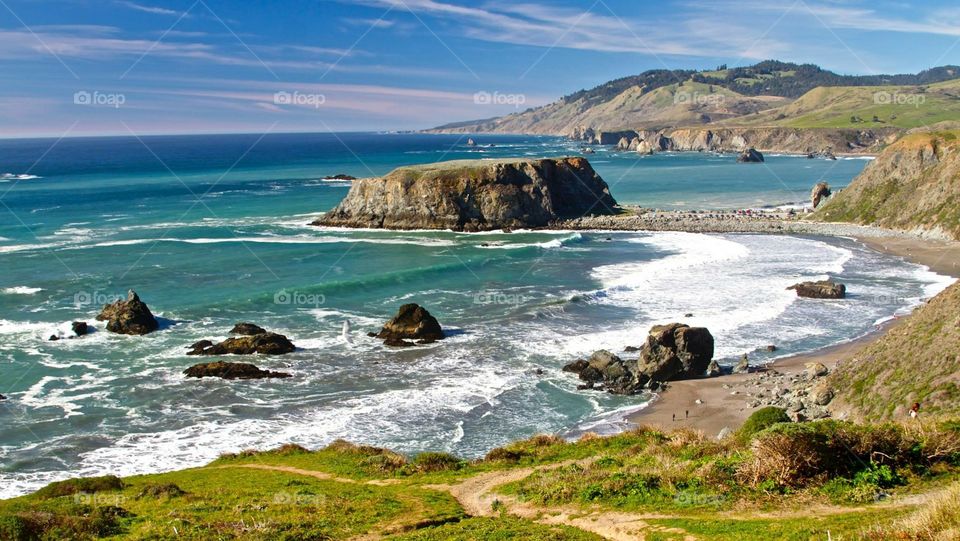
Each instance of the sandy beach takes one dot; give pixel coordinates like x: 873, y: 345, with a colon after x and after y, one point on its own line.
x: 726, y: 401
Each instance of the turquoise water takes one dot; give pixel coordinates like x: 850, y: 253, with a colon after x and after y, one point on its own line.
x: 212, y: 230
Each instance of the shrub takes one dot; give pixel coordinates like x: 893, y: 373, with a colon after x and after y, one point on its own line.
x: 87, y: 485
x: 71, y: 522
x: 288, y: 449
x: 504, y: 454
x: 794, y: 454
x: 788, y: 457
x: 168, y: 490
x: 388, y: 462
x: 760, y: 420
x: 432, y: 462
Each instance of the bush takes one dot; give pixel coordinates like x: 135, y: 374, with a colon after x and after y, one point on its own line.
x: 432, y: 462
x: 504, y: 454
x: 86, y: 485
x: 760, y: 420
x: 72, y: 522
x: 168, y: 490
x: 795, y: 454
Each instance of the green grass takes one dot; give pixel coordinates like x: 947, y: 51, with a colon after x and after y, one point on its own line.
x: 839, y: 527
x: 240, y: 503
x: 710, y: 489
x: 497, y: 529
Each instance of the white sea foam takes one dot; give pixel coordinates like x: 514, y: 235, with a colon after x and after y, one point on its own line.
x: 728, y: 283
x: 300, y: 239
x: 22, y: 290
x: 12, y: 176
x: 392, y: 415
x: 548, y: 244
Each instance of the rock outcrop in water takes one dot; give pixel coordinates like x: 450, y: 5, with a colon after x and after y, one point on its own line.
x: 79, y: 328
x: 676, y: 351
x: 412, y: 322
x: 255, y: 339
x: 225, y: 370
x: 671, y: 352
x: 750, y: 155
x: 130, y: 316
x: 247, y: 329
x: 824, y: 289
x: 471, y: 195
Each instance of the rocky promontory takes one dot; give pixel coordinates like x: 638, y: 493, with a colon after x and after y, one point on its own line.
x: 913, y: 186
x: 475, y: 195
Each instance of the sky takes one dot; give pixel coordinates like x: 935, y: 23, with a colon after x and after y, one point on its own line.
x: 122, y: 67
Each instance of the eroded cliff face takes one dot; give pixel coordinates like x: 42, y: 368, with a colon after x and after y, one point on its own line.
x: 472, y: 195
x: 792, y: 140
x: 913, y: 185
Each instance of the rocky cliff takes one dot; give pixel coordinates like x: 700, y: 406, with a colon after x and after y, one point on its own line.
x: 769, y: 139
x: 914, y: 185
x: 475, y: 195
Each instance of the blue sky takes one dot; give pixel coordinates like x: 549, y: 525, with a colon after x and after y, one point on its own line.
x: 82, y: 67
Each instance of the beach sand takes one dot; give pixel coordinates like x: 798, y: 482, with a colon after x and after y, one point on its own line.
x: 725, y: 400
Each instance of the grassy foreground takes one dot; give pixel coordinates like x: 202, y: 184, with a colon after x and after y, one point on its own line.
x: 772, y: 480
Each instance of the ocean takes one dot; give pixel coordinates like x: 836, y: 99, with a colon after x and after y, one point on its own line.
x: 212, y: 230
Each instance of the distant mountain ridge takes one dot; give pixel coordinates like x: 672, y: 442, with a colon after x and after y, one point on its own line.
x: 661, y: 99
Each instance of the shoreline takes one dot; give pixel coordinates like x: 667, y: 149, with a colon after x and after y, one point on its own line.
x: 726, y: 400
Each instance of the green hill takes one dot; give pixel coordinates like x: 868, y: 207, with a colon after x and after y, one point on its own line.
x: 864, y: 107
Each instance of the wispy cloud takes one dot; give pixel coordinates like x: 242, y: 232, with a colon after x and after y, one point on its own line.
x: 150, y: 9
x: 854, y: 15
x: 541, y: 25
x: 375, y: 23
x: 100, y: 43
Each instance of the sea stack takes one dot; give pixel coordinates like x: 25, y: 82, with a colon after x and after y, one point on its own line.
x: 131, y: 316
x: 475, y: 195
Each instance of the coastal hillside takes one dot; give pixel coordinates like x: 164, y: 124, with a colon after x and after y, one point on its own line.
x: 755, y: 95
x: 678, y: 104
x: 475, y: 195
x: 850, y: 106
x: 914, y: 185
x: 915, y: 362
x: 770, y: 480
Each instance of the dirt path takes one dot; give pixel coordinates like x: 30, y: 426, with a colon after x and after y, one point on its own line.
x: 478, y: 495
